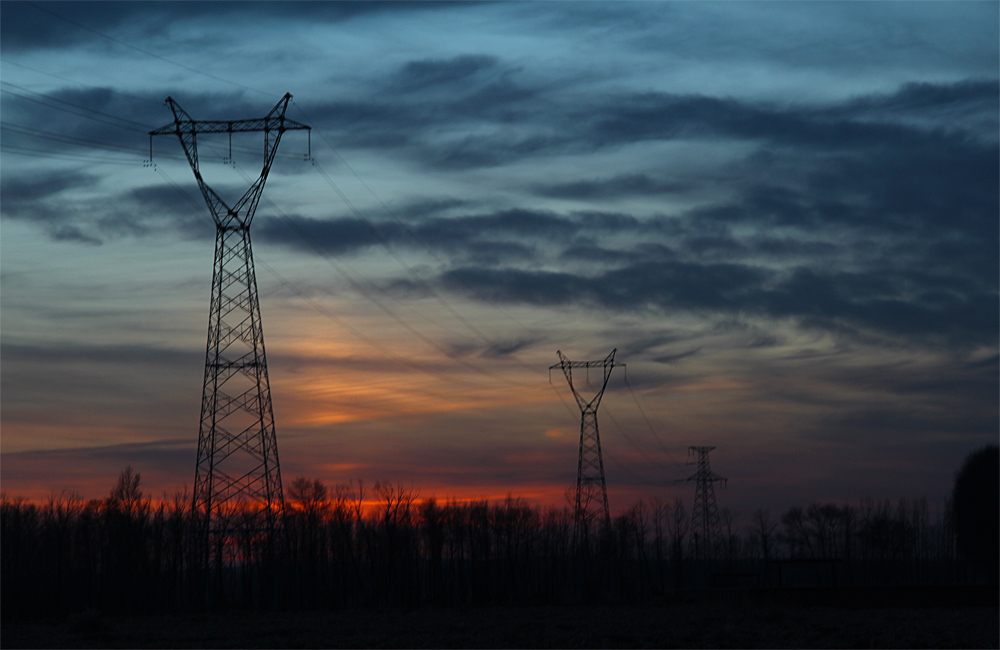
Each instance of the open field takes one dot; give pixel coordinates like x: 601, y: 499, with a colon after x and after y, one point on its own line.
x: 679, y: 624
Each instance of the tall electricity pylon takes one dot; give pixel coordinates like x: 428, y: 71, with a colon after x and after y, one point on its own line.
x: 591, y: 504
x: 237, y: 466
x: 705, y: 523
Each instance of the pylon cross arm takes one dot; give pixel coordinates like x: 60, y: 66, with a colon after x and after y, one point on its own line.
x: 608, y: 364
x: 275, y: 120
x: 235, y: 126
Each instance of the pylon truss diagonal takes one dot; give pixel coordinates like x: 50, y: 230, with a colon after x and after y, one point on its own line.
x: 237, y: 445
x: 591, y: 504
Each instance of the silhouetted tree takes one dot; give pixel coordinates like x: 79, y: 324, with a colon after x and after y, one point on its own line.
x: 678, y: 526
x: 763, y: 531
x: 796, y: 533
x: 730, y: 540
x: 976, y: 503
x: 126, y: 496
x: 338, y: 549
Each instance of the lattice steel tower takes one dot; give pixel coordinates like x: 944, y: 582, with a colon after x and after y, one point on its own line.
x: 705, y: 521
x: 237, y: 465
x: 591, y: 488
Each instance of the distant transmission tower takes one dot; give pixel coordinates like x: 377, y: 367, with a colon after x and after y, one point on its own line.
x: 591, y: 488
x: 237, y: 466
x: 705, y: 523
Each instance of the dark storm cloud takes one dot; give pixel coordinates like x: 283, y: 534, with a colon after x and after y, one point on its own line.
x: 952, y: 104
x: 616, y: 186
x: 100, y: 120
x: 499, y: 349
x: 514, y: 222
x: 891, y: 426
x: 167, y: 199
x: 516, y: 286
x: 508, y: 347
x: 325, y: 236
x: 874, y: 301
x: 26, y: 26
x: 900, y: 171
x: 548, y: 122
x: 674, y: 358
x: 157, y: 451
x: 95, y: 354
x: 590, y: 251
x: 491, y: 253
x: 44, y: 200
x: 976, y: 381
x: 900, y: 186
x: 664, y: 116
x: 69, y: 233
x: 489, y: 234
x: 826, y: 300
x: 419, y: 208
x: 43, y: 25
x: 100, y: 124
x: 427, y: 74
x: 38, y: 200
x: 914, y: 188
x: 435, y: 110
x: 108, y: 124
x: 407, y: 108
x: 489, y: 238
x: 785, y: 246
x: 28, y: 197
x: 918, y: 222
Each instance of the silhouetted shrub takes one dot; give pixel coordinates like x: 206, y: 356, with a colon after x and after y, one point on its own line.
x: 976, y: 503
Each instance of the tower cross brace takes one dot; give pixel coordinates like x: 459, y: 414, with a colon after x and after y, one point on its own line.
x: 237, y: 467
x: 591, y: 502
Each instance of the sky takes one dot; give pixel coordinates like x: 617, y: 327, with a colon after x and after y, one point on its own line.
x: 783, y: 216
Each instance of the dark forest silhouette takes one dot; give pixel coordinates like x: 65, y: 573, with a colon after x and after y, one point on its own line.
x: 354, y: 545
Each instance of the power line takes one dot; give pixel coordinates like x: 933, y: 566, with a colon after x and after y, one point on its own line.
x: 139, y: 126
x: 124, y: 123
x: 629, y: 470
x: 396, y: 256
x: 105, y: 118
x: 649, y: 424
x: 42, y: 153
x: 381, y: 239
x: 569, y: 409
x: 68, y: 139
x: 75, y: 81
x: 177, y: 187
x: 378, y: 235
x: 358, y: 333
x: 97, y: 116
x: 146, y: 52
x: 631, y: 441
x: 378, y: 303
x: 321, y: 309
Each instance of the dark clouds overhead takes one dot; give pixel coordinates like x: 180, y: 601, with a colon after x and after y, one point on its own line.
x: 899, y: 218
x: 761, y: 205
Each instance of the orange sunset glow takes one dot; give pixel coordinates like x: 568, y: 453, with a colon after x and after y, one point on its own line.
x: 794, y: 256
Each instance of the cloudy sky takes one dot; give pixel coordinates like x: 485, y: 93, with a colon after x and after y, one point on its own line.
x: 784, y: 217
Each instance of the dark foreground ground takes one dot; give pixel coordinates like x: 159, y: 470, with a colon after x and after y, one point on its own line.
x: 664, y: 625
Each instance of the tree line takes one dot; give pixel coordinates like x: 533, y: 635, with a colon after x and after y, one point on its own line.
x: 353, y: 546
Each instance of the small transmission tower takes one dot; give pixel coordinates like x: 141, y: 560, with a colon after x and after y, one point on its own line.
x: 705, y: 521
x: 237, y: 465
x: 591, y: 488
